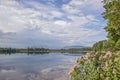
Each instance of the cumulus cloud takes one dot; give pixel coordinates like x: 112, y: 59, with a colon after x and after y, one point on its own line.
x: 37, y: 24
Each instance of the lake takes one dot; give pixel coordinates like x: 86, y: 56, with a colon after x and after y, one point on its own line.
x: 23, y: 66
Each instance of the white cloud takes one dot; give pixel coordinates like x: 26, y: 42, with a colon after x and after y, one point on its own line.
x: 56, y: 13
x: 37, y: 24
x: 78, y: 6
x: 61, y: 23
x: 15, y: 18
x: 73, y: 7
x: 70, y: 9
x: 94, y: 4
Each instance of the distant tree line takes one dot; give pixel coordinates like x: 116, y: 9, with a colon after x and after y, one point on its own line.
x: 81, y: 49
x: 106, y: 45
x: 43, y: 50
x: 20, y: 50
x: 8, y: 50
x: 103, y: 45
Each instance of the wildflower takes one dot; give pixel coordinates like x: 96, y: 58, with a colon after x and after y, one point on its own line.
x: 79, y: 59
x: 87, y: 55
x: 107, y: 78
x: 110, y: 61
x: 96, y: 53
x: 98, y: 68
x: 93, y: 59
x: 114, y: 71
x: 86, y: 62
x: 101, y: 57
x: 72, y: 69
x: 106, y: 65
x: 108, y: 54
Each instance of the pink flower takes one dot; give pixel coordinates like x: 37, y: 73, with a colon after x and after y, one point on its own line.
x: 114, y: 71
x: 108, y: 54
x: 96, y: 53
x: 87, y: 56
x: 72, y: 69
x: 106, y: 65
x: 98, y: 68
x: 79, y: 59
x: 86, y: 62
x: 107, y: 78
x: 94, y: 59
x: 110, y: 61
x: 101, y: 57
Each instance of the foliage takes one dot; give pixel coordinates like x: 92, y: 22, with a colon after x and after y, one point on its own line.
x: 117, y: 46
x: 106, y: 45
x: 97, y: 67
x: 112, y: 14
x: 100, y: 46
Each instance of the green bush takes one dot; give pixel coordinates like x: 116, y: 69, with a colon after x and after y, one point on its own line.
x: 97, y: 67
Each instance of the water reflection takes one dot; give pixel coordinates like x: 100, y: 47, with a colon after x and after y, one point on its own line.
x: 32, y: 66
x: 30, y: 53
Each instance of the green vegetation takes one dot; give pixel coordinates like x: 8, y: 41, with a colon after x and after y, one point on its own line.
x: 105, y: 45
x: 28, y: 50
x: 95, y: 66
x: 112, y: 14
x: 104, y: 62
x: 42, y: 50
x: 75, y: 50
x: 101, y: 46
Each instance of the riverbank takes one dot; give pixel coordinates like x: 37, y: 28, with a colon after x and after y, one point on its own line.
x: 96, y: 66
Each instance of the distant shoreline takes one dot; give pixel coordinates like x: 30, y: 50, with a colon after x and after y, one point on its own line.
x: 42, y: 50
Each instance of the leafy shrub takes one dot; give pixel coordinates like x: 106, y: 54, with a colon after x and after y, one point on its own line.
x: 97, y: 67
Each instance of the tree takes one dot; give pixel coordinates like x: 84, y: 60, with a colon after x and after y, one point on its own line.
x: 112, y: 14
x: 117, y: 46
x: 101, y: 46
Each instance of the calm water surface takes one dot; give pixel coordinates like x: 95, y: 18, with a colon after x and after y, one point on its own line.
x: 52, y: 66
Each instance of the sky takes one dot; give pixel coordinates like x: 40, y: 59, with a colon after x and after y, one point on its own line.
x: 51, y: 23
